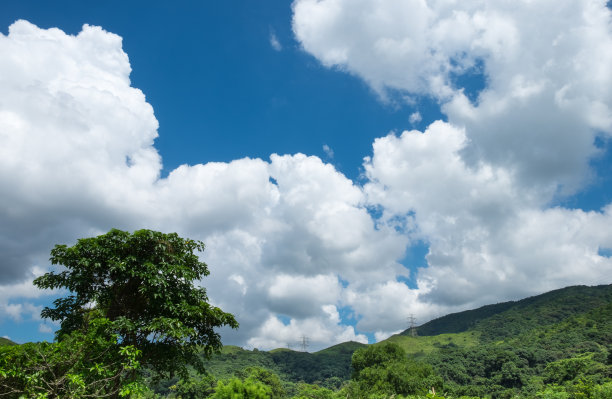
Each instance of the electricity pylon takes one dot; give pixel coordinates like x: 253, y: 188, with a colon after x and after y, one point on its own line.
x: 412, y: 321
x: 304, y: 342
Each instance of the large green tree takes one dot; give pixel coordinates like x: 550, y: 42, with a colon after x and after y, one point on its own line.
x: 144, y: 283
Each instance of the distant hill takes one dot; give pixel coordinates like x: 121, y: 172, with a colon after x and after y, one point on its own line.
x: 502, y: 350
x: 508, y: 319
x: 290, y: 365
x: 319, y: 366
x: 466, y: 330
x: 5, y: 342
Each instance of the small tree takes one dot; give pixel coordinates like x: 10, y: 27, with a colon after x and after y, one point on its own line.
x: 238, y: 389
x: 385, y: 370
x: 144, y: 284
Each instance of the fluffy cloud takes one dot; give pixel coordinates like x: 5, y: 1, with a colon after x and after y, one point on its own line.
x: 477, y: 188
x: 77, y: 157
x: 75, y: 140
x: 16, y: 311
x: 291, y: 242
x: 487, y: 234
x: 398, y: 302
x: 319, y: 331
x: 303, y: 296
x: 294, y: 258
x: 547, y: 71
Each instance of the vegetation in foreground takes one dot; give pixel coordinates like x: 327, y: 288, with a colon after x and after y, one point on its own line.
x: 150, y: 334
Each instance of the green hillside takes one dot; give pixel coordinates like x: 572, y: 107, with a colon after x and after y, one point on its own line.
x: 329, y: 367
x: 290, y: 365
x: 574, y: 351
x: 421, y: 346
x: 507, y: 319
x: 333, y: 362
x: 558, y: 344
x: 4, y: 341
x: 461, y: 321
x: 562, y: 337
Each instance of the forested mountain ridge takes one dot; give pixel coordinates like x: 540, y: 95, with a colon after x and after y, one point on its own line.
x: 574, y: 354
x: 508, y: 319
x: 559, y: 339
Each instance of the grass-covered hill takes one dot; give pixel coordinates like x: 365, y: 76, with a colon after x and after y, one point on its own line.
x: 4, y: 341
x: 419, y: 347
x: 508, y: 319
x: 561, y: 338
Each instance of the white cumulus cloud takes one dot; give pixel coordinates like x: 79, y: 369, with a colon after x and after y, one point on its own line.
x: 478, y: 188
x: 290, y: 240
x: 546, y: 66
x: 78, y: 158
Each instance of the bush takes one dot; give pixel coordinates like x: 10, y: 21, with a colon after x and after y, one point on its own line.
x: 238, y: 389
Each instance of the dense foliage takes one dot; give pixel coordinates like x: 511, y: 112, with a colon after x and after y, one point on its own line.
x: 575, y: 352
x: 385, y: 369
x: 511, y: 318
x: 323, y: 367
x: 85, y: 363
x: 559, y: 347
x: 132, y: 310
x: 143, y: 283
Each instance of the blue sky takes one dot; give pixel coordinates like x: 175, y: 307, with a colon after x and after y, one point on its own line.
x: 220, y: 90
x: 504, y: 196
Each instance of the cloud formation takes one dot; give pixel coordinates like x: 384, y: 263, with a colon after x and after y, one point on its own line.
x: 78, y: 158
x: 291, y: 242
x: 546, y: 67
x: 488, y: 235
x: 478, y: 187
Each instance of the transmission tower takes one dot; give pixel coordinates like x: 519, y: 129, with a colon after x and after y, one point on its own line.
x: 304, y: 342
x: 412, y: 322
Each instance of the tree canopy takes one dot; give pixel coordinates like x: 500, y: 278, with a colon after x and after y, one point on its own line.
x: 385, y: 369
x: 144, y: 283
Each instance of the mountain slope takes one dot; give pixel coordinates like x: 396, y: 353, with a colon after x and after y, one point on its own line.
x: 575, y: 352
x: 511, y: 318
x: 561, y: 339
